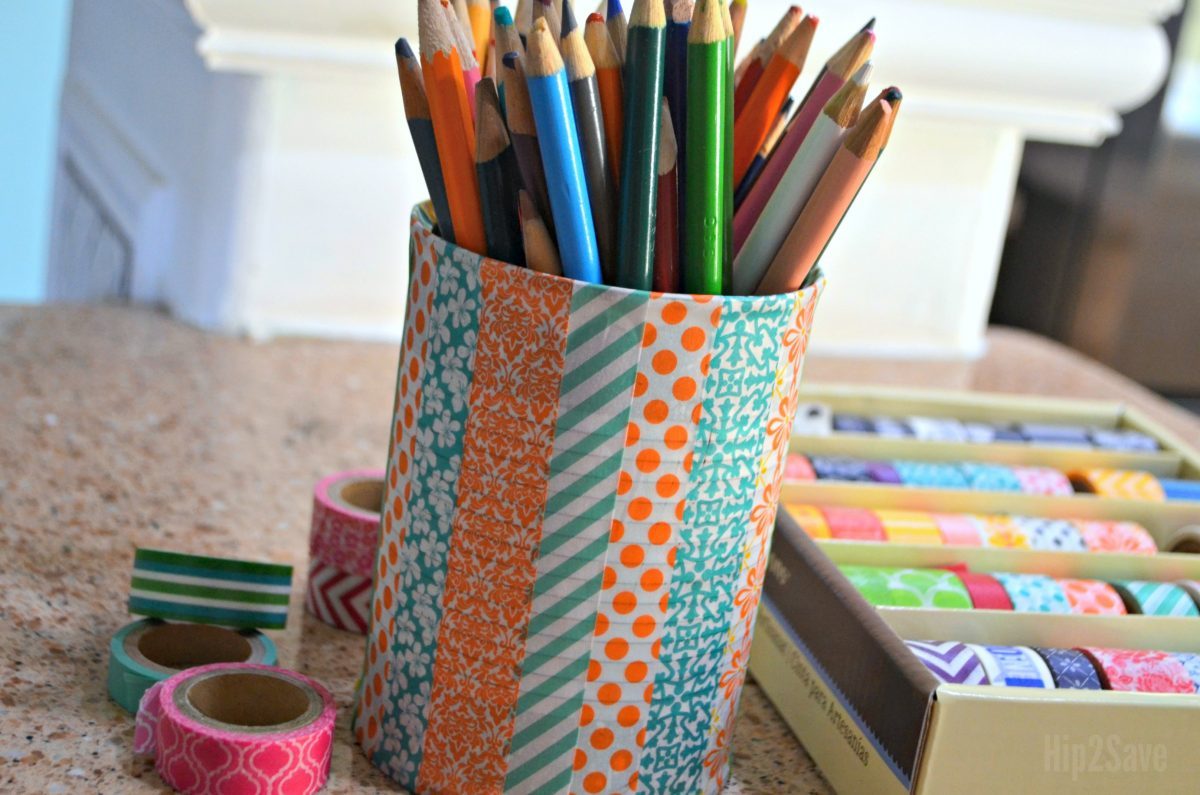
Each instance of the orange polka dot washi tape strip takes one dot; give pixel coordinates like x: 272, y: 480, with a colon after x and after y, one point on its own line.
x: 1119, y: 483
x: 1093, y: 597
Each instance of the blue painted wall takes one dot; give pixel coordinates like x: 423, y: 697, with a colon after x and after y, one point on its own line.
x: 33, y: 49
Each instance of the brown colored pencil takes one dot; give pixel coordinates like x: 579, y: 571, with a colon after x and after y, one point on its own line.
x: 518, y: 111
x: 666, y: 235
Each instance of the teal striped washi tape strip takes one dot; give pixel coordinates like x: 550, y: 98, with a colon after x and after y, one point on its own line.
x: 207, y: 590
x: 151, y: 650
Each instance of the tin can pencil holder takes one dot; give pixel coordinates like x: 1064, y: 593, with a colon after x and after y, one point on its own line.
x: 581, y: 490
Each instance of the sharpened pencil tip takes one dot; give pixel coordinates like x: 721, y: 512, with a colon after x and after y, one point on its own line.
x: 403, y: 48
x: 893, y: 94
x: 595, y: 18
x: 502, y: 16
x: 568, y: 20
x: 614, y: 8
x: 869, y: 26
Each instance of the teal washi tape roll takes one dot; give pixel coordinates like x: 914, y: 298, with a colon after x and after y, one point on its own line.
x: 150, y: 650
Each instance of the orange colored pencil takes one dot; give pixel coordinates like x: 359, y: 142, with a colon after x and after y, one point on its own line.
x: 453, y: 124
x: 757, y: 65
x: 608, y: 80
x: 829, y: 201
x: 754, y: 123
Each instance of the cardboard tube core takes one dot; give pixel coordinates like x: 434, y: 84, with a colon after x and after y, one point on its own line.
x: 365, y: 495
x: 180, y: 646
x: 1186, y: 540
x: 251, y: 699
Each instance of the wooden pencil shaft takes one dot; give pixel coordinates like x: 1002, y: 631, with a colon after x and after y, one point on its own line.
x: 737, y: 11
x: 618, y: 30
x: 533, y: 176
x: 666, y: 249
x: 643, y: 85
x: 540, y: 252
x: 589, y: 121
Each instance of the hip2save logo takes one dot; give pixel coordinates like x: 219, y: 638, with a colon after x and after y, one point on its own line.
x: 1102, y: 753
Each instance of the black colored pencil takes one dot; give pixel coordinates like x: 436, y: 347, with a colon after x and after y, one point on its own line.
x: 420, y: 125
x: 499, y: 179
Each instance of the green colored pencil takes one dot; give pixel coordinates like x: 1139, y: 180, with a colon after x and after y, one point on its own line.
x: 705, y: 226
x: 727, y: 191
x: 643, y: 79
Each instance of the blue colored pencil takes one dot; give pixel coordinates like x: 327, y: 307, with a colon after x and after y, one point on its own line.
x: 558, y: 140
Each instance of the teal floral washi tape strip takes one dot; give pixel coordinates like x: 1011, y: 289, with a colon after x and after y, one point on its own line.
x: 1156, y: 598
x: 209, y: 590
x: 1034, y: 593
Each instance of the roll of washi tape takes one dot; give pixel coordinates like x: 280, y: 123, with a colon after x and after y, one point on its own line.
x: 871, y: 582
x: 840, y: 468
x: 1053, y: 535
x: 1156, y: 598
x: 852, y: 423
x: 1071, y: 669
x: 950, y: 661
x: 1034, y: 593
x: 1007, y: 434
x: 1000, y: 531
x: 958, y: 530
x: 1125, y: 484
x: 345, y: 520
x: 238, y: 728
x: 937, y: 429
x: 1191, y: 664
x: 150, y: 650
x: 853, y: 524
x: 1123, y: 441
x: 810, y: 519
x: 891, y: 428
x: 1193, y: 589
x: 813, y: 419
x: 979, y: 432
x: 909, y: 527
x: 989, y: 477
x: 1093, y: 597
x: 1014, y: 666
x: 906, y: 587
x: 341, y: 600
x: 1185, y: 540
x: 1116, y: 537
x: 882, y: 472
x: 207, y: 590
x: 1140, y: 671
x: 1043, y: 480
x: 798, y: 468
x: 929, y: 474
x: 1181, y: 490
x: 985, y: 590
x: 1046, y: 435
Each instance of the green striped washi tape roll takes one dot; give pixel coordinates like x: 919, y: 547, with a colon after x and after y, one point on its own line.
x: 1156, y: 598
x: 206, y: 590
x: 150, y: 650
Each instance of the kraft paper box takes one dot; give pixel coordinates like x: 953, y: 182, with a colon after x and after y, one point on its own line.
x: 581, y: 490
x: 875, y: 720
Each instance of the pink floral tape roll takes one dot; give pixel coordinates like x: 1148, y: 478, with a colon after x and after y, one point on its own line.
x: 238, y: 729
x: 958, y: 530
x: 1116, y: 537
x: 345, y: 521
x: 1043, y: 480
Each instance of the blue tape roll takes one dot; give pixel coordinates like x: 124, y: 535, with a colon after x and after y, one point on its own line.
x: 1188, y: 490
x: 929, y: 474
x: 989, y: 477
x: 852, y: 423
x: 150, y: 650
x: 836, y: 468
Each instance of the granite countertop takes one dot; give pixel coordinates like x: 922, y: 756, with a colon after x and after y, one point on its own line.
x: 120, y: 427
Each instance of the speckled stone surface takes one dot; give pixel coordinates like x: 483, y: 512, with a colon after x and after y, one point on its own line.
x: 120, y: 427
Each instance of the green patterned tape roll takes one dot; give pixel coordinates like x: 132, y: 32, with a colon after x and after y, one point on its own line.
x: 1156, y: 598
x: 150, y: 650
x: 909, y: 587
x: 206, y: 590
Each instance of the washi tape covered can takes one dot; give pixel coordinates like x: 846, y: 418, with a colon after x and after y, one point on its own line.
x: 581, y: 491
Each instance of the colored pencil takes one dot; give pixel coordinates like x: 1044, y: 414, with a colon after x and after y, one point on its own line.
x: 798, y: 182
x: 704, y: 229
x: 737, y: 11
x: 639, y: 158
x: 745, y: 62
x: 463, y: 17
x: 772, y: 90
x: 420, y: 126
x: 830, y: 199
x: 523, y: 19
x: 540, y: 253
x: 545, y: 9
x: 466, y: 54
x: 618, y: 28
x: 452, y: 124
x: 480, y: 15
x: 840, y: 67
x: 518, y: 112
x: 589, y: 122
x: 764, y: 152
x: 609, y: 81
x: 507, y: 38
x: 558, y: 141
x: 666, y: 243
x: 755, y: 68
x: 679, y: 22
x: 728, y: 186
x: 499, y: 180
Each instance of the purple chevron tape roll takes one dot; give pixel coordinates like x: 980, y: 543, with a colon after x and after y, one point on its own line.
x: 950, y: 661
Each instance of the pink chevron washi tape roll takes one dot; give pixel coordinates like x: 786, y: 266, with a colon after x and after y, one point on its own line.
x: 238, y: 729
x: 581, y: 493
x: 342, y: 545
